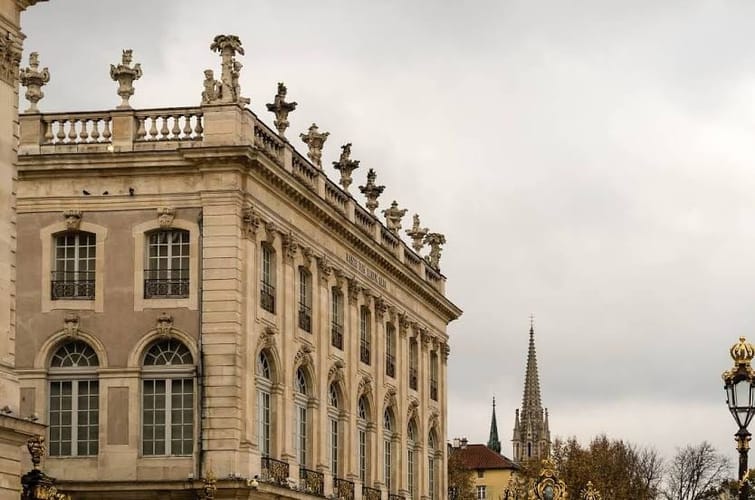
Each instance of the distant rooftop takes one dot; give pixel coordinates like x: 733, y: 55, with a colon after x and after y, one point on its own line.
x: 479, y: 456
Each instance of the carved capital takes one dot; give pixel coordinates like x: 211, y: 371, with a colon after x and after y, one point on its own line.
x: 251, y: 220
x: 165, y: 216
x: 290, y: 245
x: 354, y: 289
x: 323, y: 265
x: 271, y: 231
x: 71, y: 324
x: 164, y: 325
x: 381, y: 307
x: 72, y: 219
x: 307, y: 256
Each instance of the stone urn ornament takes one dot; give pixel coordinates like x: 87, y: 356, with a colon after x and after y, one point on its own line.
x: 125, y: 75
x: 34, y: 79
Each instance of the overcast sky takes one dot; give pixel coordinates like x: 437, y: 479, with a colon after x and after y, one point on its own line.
x: 590, y: 162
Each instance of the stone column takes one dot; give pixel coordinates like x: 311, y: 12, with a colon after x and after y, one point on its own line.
x: 14, y: 429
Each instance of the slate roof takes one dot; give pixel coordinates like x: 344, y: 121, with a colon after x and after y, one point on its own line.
x: 479, y: 456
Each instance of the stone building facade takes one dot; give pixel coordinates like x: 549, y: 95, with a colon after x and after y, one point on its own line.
x: 203, y: 313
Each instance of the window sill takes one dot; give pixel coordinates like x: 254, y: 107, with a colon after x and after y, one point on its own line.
x: 72, y: 304
x: 159, y: 303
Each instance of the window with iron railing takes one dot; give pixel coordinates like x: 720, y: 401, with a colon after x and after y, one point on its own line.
x: 336, y: 318
x: 305, y: 300
x: 74, y: 274
x: 267, y: 281
x: 364, y: 335
x: 167, y: 272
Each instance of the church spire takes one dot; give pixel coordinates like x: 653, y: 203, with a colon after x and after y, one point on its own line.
x: 493, y: 442
x: 531, y: 427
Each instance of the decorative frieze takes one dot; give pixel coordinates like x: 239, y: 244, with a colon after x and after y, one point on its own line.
x: 72, y: 219
x: 393, y: 216
x: 315, y: 140
x: 125, y: 75
x: 34, y: 79
x: 281, y: 109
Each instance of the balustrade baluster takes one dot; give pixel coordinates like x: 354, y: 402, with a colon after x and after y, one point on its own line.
x: 84, y: 132
x: 164, y: 131
x: 95, y: 135
x: 61, y: 134
x: 187, y: 126
x: 48, y: 132
x: 152, y: 127
x: 140, y: 130
x: 106, y: 134
x: 176, y: 130
x: 198, y: 128
x: 72, y: 130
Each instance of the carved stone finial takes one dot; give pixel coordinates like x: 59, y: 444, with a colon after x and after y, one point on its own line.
x: 72, y: 219
x: 346, y: 166
x: 229, y: 90
x: 165, y: 216
x: 281, y: 108
x: 71, y: 324
x: 125, y: 75
x: 34, y: 79
x: 371, y: 191
x: 435, y: 240
x: 393, y: 217
x: 164, y: 325
x: 315, y: 140
x: 417, y: 234
x: 36, y: 447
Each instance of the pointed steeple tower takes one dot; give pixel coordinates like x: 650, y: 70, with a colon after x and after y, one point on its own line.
x: 532, y: 437
x: 493, y: 442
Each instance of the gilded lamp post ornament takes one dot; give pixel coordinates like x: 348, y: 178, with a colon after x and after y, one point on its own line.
x: 739, y: 384
x: 393, y: 216
x: 417, y: 234
x: 281, y: 108
x: 228, y: 91
x: 314, y: 139
x: 590, y: 493
x: 435, y: 240
x: 125, y: 75
x: 548, y: 486
x: 346, y: 166
x: 371, y: 191
x: 34, y: 79
x: 36, y: 484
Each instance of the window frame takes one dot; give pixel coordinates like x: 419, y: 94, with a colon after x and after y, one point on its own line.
x: 264, y: 389
x: 268, y: 278
x: 336, y: 317
x: 183, y: 281
x: 305, y: 300
x: 365, y: 335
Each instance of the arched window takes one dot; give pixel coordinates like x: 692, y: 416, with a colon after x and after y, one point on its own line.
x: 267, y: 278
x: 168, y: 399
x: 167, y: 271
x: 411, y: 438
x: 334, y: 428
x: 365, y: 340
x: 363, y: 418
x: 388, y: 426
x: 264, y: 391
x: 74, y: 401
x: 431, y: 465
x: 305, y: 300
x: 74, y: 270
x: 301, y: 392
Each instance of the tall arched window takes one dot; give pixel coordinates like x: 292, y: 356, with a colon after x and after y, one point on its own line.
x: 168, y: 399
x: 74, y: 270
x: 305, y: 300
x: 411, y: 438
x: 74, y: 401
x: 363, y: 418
x: 334, y: 428
x: 388, y: 426
x: 431, y: 465
x: 390, y: 350
x: 365, y: 340
x: 413, y: 364
x: 167, y: 272
x: 301, y: 392
x: 264, y: 390
x: 434, y: 376
x: 336, y: 318
x: 267, y: 278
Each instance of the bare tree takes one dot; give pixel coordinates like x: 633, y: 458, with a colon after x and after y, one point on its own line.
x: 695, y: 473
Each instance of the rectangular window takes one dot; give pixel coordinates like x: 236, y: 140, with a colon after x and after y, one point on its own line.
x: 300, y: 435
x: 363, y: 456
x: 74, y: 418
x: 433, y: 376
x: 75, y: 256
x: 390, y: 351
x: 410, y: 472
x: 387, y: 463
x: 263, y: 422
x: 364, y: 335
x: 168, y: 417
x: 267, y: 283
x: 480, y: 473
x: 431, y: 476
x: 336, y: 319
x: 481, y: 493
x: 413, y: 364
x: 305, y: 300
x: 334, y: 447
x: 167, y: 273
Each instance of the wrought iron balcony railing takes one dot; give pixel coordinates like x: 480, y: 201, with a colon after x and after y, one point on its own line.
x: 305, y: 318
x: 343, y: 489
x: 267, y: 297
x: 336, y: 335
x: 394, y: 496
x: 364, y: 353
x: 274, y: 471
x: 166, y: 283
x: 312, y: 482
x: 370, y: 493
x: 77, y: 285
x: 390, y: 365
x: 413, y: 378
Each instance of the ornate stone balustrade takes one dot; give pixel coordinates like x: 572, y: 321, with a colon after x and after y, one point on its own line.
x: 210, y: 125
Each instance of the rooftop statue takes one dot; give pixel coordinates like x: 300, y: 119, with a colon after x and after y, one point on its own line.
x: 315, y: 140
x: 346, y: 166
x: 281, y: 108
x: 34, y: 79
x: 393, y: 217
x: 371, y: 191
x: 227, y: 90
x: 435, y: 240
x: 125, y: 75
x: 417, y: 234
